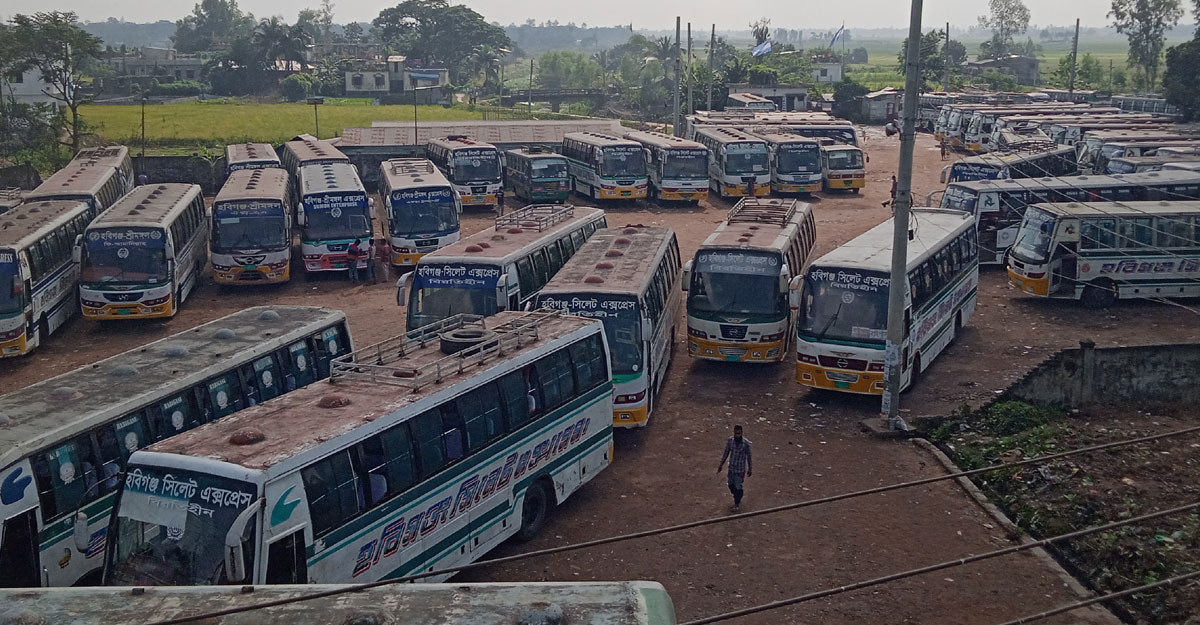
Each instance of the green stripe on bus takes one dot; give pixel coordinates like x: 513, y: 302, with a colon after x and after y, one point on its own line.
x: 660, y: 610
x: 621, y: 378
x: 63, y: 528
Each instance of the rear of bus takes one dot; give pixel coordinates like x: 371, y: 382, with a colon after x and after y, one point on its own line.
x: 420, y: 220
x: 13, y: 302
x: 843, y: 167
x: 334, y: 211
x: 251, y: 237
x: 796, y: 166
x: 442, y: 288
x: 737, y: 303
x: 241, y: 156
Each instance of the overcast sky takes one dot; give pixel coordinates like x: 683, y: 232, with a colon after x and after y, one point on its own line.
x: 649, y: 14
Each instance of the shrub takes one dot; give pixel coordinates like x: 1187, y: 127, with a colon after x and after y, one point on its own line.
x: 178, y: 88
x: 296, y: 87
x: 1013, y: 417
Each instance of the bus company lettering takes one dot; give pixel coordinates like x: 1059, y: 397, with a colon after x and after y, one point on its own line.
x: 851, y: 280
x: 471, y: 491
x: 127, y: 238
x: 423, y: 196
x: 1186, y: 265
x: 594, y: 308
x: 248, y: 209
x: 738, y: 262
x: 8, y: 258
x: 328, y: 202
x: 458, y: 276
x: 964, y: 172
x: 689, y: 154
x: 474, y: 153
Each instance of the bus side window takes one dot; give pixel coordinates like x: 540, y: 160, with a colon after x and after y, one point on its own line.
x: 555, y: 256
x: 514, y: 396
x: 555, y: 378
x: 224, y: 395
x: 332, y: 492
x: 577, y: 238
x: 301, y: 365
x: 266, y: 376
x: 526, y: 277
x: 427, y: 430
x: 482, y: 415
x: 453, y: 433
x: 542, y: 269
x: 66, y: 476
x: 399, y: 464
x: 567, y: 247
x: 111, y: 455
x: 589, y: 362
x: 286, y: 560
x: 173, y: 416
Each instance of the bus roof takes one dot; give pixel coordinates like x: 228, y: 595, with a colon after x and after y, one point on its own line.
x: 403, y: 173
x: 534, y: 152
x: 10, y: 197
x: 759, y: 224
x: 1153, y: 133
x: 244, y: 152
x: 394, y: 134
x: 776, y: 138
x: 254, y: 184
x: 78, y: 177
x: 310, y: 150
x: 872, y: 250
x: 300, y: 421
x: 1006, y: 157
x: 458, y: 142
x: 749, y: 97
x: 653, y: 139
x: 29, y: 218
x: 614, y: 260
x: 147, y: 205
x: 114, y: 155
x: 78, y: 400
x: 513, y: 232
x: 725, y: 134
x: 1120, y: 209
x: 326, y: 177
x: 595, y: 603
x: 1146, y: 178
x: 599, y: 139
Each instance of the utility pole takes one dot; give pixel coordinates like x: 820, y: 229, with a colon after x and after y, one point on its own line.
x: 946, y: 48
x: 900, y: 211
x: 712, y: 43
x: 689, y: 70
x: 530, y: 111
x: 1074, y: 58
x: 675, y: 127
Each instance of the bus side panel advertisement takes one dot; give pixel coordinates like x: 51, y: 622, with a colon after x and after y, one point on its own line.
x: 458, y: 276
x: 966, y: 172
x: 334, y: 204
x: 621, y: 309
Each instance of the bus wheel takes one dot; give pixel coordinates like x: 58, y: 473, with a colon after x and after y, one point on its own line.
x: 957, y: 323
x: 855, y: 190
x: 535, y: 510
x: 43, y: 330
x: 916, y: 371
x: 1100, y: 294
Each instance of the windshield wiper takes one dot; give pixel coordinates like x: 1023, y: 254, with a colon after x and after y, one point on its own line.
x: 837, y: 313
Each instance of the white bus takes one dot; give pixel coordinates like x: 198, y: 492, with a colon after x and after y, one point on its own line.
x: 98, y: 176
x: 605, y: 167
x: 1037, y: 161
x: 501, y: 268
x: 741, y: 281
x: 978, y: 134
x: 334, y: 210
x: 738, y: 162
x: 1100, y: 252
x: 795, y: 162
x: 473, y: 167
x: 843, y: 167
x: 38, y: 279
x: 1143, y: 164
x: 677, y: 168
x: 241, y: 156
x: 420, y: 209
x: 629, y: 279
x: 749, y: 102
x: 412, y: 457
x: 844, y: 303
x: 309, y: 151
x: 251, y: 232
x: 143, y: 256
x: 65, y: 440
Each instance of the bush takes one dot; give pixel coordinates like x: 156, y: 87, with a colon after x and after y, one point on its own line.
x: 1008, y: 418
x: 179, y: 88
x: 296, y: 87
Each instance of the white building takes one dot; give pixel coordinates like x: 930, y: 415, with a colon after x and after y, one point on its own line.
x: 827, y: 72
x: 28, y: 88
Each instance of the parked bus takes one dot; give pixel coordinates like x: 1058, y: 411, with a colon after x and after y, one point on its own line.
x: 1000, y: 204
x: 473, y: 167
x: 143, y: 256
x: 432, y: 458
x: 1118, y: 149
x: 843, y: 167
x: 978, y: 135
x: 843, y: 133
x: 334, y: 210
x: 1142, y: 164
x: 1192, y: 166
x: 537, y: 175
x: 738, y: 162
x: 959, y: 119
x: 741, y: 280
x: 629, y: 279
x: 1034, y: 161
x: 241, y: 156
x: 677, y: 168
x: 796, y: 164
x: 750, y: 102
x: 308, y: 150
x: 1092, y: 149
x: 605, y: 167
x: 73, y: 433
x: 420, y: 209
x: 38, y: 279
x: 251, y: 232
x: 844, y: 303
x: 613, y: 603
x: 98, y: 176
x: 1098, y: 252
x: 501, y: 268
x: 1073, y: 133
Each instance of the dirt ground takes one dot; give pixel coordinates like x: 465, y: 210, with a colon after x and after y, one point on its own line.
x: 807, y: 444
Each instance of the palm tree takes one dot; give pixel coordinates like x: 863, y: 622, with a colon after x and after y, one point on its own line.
x: 277, y: 41
x: 663, y: 49
x: 737, y: 70
x: 606, y: 62
x: 487, y: 59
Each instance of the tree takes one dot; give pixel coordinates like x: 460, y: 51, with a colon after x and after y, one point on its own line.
x: 325, y: 20
x: 736, y: 71
x: 309, y: 21
x: 567, y: 69
x: 353, y: 32
x: 957, y: 52
x: 276, y: 41
x: 663, y: 49
x: 1181, y: 78
x: 436, y: 32
x: 486, y: 59
x: 1007, y: 19
x: 761, y: 30
x: 932, y: 62
x: 56, y: 47
x: 211, y: 21
x: 1144, y: 23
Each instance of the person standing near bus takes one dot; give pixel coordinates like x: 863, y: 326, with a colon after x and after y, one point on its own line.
x: 371, y: 260
x: 353, y: 253
x: 737, y: 452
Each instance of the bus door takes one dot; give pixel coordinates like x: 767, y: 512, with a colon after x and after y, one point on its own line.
x: 19, y: 556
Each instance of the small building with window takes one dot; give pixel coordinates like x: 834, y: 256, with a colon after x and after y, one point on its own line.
x: 785, y: 97
x: 372, y: 80
x: 827, y: 72
x: 27, y: 87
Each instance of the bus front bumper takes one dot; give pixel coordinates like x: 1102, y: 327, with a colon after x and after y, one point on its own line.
x: 739, y: 190
x: 735, y: 352
x: 405, y: 260
x: 848, y: 183
x: 1031, y: 286
x: 789, y: 187
x: 131, y: 310
x: 691, y: 195
x: 251, y: 274
x: 861, y: 382
x: 330, y: 262
x: 479, y: 199
x: 619, y: 193
x: 13, y: 347
x: 630, y: 417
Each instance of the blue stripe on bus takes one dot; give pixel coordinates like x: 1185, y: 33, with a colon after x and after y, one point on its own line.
x: 53, y: 276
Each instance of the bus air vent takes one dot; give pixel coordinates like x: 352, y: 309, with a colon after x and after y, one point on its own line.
x: 622, y: 241
x: 4, y: 419
x: 268, y: 315
x: 604, y: 265
x: 473, y: 249
x: 614, y: 253
x: 176, y: 351
x: 123, y: 371
x: 514, y: 231
x: 224, y: 334
x: 630, y: 230
x: 593, y: 280
x: 247, y: 436
x: 65, y: 393
x: 333, y: 401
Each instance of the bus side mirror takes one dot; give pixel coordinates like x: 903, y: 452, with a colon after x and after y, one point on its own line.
x: 647, y: 330
x: 77, y: 250
x: 300, y: 214
x: 402, y: 286
x: 528, y: 306
x: 795, y: 290
x: 687, y: 276
x: 502, y: 293
x: 945, y: 174
x: 235, y: 555
x: 80, y: 532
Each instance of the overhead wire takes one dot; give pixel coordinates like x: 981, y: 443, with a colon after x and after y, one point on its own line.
x: 1170, y: 581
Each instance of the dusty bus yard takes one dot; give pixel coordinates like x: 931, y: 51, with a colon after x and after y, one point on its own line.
x: 807, y: 444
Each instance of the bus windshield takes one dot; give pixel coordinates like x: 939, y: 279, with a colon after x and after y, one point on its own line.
x: 1033, y: 240
x: 171, y: 527
x: 959, y: 198
x: 444, y: 290
x: 736, y: 282
x: 423, y: 211
x: 798, y: 159
x: 1118, y: 166
x: 686, y: 164
x: 964, y: 171
x: 622, y: 324
x: 328, y: 218
x: 618, y: 161
x: 548, y: 169
x: 11, y: 300
x: 746, y: 158
x: 249, y: 226
x: 846, y: 305
x: 476, y: 164
x: 124, y: 257
x: 845, y: 159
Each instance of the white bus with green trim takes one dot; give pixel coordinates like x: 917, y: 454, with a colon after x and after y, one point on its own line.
x: 629, y: 279
x: 422, y: 452
x: 64, y: 442
x: 604, y: 167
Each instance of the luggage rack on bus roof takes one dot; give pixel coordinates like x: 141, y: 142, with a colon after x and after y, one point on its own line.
x: 411, y: 166
x: 762, y: 210
x: 536, y: 216
x: 381, y: 363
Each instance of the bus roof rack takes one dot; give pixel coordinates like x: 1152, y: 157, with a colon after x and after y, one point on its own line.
x: 412, y: 166
x: 762, y: 211
x: 383, y: 362
x: 536, y: 216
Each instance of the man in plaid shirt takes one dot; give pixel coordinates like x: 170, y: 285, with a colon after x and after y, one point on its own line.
x: 737, y: 452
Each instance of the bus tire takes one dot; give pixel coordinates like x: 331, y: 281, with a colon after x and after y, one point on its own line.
x: 916, y: 371
x: 957, y: 324
x: 1099, y: 294
x: 43, y: 329
x: 535, y: 509
x: 459, y: 339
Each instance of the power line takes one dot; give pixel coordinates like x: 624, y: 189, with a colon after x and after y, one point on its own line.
x: 1102, y: 598
x: 828, y: 592
x: 683, y: 526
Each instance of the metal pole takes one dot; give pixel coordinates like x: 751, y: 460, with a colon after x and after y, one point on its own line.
x: 946, y: 80
x: 900, y: 209
x: 316, y: 120
x: 142, y: 160
x: 416, y: 143
x: 675, y: 126
x: 1074, y: 58
x: 712, y: 43
x: 689, y: 70
x: 530, y: 104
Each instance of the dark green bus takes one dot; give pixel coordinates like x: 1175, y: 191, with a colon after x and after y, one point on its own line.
x: 536, y: 175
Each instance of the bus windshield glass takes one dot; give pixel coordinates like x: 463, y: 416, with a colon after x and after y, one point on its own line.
x: 171, y: 527
x: 964, y: 171
x: 622, y: 324
x: 621, y: 160
x: 686, y: 164
x: 447, y: 289
x: 746, y: 158
x: 959, y: 198
x: 476, y: 164
x: 798, y: 158
x: 1033, y: 240
x: 1118, y: 166
x: 845, y: 305
x: 845, y: 159
x: 423, y: 211
x: 124, y: 256
x: 340, y: 216
x: 11, y: 285
x: 249, y: 225
x: 549, y: 169
x: 736, y: 282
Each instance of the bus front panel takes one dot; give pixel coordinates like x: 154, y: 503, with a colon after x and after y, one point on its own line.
x: 251, y: 243
x: 842, y: 329
x: 126, y: 274
x: 421, y: 221
x: 736, y: 310
x: 332, y: 222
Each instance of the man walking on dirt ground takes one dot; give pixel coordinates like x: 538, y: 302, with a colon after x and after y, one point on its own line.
x: 945, y: 152
x: 737, y: 452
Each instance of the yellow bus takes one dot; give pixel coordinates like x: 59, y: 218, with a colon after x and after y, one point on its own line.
x: 738, y: 162
x: 251, y: 240
x: 677, y: 168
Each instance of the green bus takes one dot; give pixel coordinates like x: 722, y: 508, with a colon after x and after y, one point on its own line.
x: 537, y: 175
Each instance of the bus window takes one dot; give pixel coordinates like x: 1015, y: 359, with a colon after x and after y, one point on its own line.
x: 332, y: 491
x: 515, y: 398
x: 481, y: 412
x: 541, y: 267
x: 555, y: 256
x: 266, y: 378
x: 131, y: 434
x: 302, y: 364
x: 427, y: 430
x: 525, y: 276
x: 66, y: 477
x: 401, y: 464
x: 555, y: 377
x: 578, y: 238
x: 286, y: 561
x: 174, y: 416
x: 112, y: 454
x: 453, y: 432
x: 587, y: 357
x: 224, y: 395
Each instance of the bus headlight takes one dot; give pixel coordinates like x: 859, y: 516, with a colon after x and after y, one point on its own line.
x: 629, y: 399
x: 771, y: 338
x: 807, y: 359
x: 12, y: 334
x: 90, y: 304
x: 156, y: 301
x: 875, y: 366
x: 700, y: 334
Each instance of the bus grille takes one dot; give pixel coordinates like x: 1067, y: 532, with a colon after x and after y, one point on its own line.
x: 128, y: 296
x: 426, y: 242
x: 737, y: 333
x: 852, y: 364
x: 338, y: 247
x: 732, y: 351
